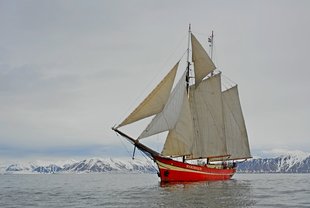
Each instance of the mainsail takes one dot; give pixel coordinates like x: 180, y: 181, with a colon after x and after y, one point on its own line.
x: 235, y: 130
x: 206, y: 108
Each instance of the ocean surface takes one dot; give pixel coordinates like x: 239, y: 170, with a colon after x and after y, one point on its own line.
x: 144, y: 190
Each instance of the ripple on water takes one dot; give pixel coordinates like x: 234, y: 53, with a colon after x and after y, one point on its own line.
x: 143, y: 190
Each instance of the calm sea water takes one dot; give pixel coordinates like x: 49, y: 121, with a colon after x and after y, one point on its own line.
x: 144, y: 190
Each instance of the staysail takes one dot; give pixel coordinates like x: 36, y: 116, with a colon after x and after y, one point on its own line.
x: 235, y: 130
x: 168, y: 117
x: 180, y: 139
x: 155, y: 101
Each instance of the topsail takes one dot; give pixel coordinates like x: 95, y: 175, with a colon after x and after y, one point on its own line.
x: 202, y: 62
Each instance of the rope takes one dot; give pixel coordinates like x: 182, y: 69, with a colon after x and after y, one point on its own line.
x: 123, y: 145
x: 147, y: 158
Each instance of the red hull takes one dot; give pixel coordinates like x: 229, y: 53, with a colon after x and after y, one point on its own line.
x: 174, y: 171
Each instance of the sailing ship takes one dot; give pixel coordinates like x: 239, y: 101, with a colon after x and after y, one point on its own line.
x: 206, y: 129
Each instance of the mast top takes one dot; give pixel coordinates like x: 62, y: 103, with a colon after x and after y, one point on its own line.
x: 210, y: 40
x: 188, y: 43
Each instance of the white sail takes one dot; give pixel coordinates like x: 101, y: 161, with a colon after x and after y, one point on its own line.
x: 202, y: 62
x: 235, y: 130
x: 180, y: 139
x: 155, y: 101
x: 169, y: 116
x: 206, y: 107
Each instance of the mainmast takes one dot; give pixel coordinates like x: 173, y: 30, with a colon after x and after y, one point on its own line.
x: 188, y: 62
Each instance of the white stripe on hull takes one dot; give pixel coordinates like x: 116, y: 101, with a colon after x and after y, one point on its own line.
x: 175, y: 168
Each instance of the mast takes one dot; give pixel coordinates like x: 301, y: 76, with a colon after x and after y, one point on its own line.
x: 187, y: 69
x: 188, y: 63
x: 210, y: 40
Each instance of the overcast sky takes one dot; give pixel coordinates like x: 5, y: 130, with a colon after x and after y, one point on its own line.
x: 70, y: 70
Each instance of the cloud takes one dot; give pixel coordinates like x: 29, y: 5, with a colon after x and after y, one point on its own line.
x: 283, y: 152
x: 72, y: 151
x: 69, y: 71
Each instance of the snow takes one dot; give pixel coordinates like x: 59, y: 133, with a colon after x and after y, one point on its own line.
x: 289, y: 161
x: 79, y: 166
x: 283, y: 161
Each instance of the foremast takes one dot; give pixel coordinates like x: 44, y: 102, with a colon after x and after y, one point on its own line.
x: 188, y: 61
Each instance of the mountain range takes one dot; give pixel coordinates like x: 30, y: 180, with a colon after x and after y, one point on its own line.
x: 92, y: 165
x: 291, y: 163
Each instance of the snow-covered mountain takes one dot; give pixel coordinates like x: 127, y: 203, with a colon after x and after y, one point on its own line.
x: 93, y: 165
x: 290, y: 163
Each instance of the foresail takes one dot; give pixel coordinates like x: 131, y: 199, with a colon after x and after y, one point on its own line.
x: 180, y: 139
x: 206, y: 108
x: 155, y: 101
x: 168, y: 117
x: 203, y: 65
x: 235, y: 130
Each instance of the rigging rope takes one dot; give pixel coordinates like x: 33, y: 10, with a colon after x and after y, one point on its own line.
x: 147, y: 158
x: 123, y: 144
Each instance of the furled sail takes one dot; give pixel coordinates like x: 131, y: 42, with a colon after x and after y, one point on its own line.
x: 202, y: 62
x: 155, y: 101
x: 180, y: 139
x: 235, y: 130
x: 168, y: 117
x: 206, y: 107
